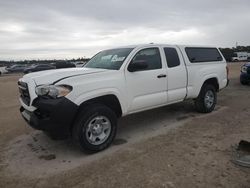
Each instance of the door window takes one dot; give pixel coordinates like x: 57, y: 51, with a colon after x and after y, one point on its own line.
x: 199, y: 55
x: 172, y: 57
x: 151, y: 57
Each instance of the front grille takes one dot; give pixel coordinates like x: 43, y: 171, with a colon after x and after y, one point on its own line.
x: 24, y: 92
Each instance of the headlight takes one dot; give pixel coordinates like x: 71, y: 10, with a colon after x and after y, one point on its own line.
x: 244, y: 69
x: 54, y: 91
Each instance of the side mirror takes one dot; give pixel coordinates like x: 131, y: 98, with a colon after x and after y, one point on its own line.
x: 137, y: 65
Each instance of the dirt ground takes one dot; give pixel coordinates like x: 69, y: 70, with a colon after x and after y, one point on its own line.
x: 173, y: 146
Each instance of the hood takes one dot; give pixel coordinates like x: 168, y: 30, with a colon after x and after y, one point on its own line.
x: 55, y: 75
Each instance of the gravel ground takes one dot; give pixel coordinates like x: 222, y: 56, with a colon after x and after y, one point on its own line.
x: 171, y: 146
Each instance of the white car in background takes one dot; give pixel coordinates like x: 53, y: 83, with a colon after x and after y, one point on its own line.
x: 79, y: 63
x: 3, y: 70
x: 241, y: 56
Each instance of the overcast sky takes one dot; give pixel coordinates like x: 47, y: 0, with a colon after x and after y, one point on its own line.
x: 45, y: 29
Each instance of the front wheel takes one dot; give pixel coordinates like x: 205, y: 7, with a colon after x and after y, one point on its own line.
x: 95, y: 128
x: 207, y: 99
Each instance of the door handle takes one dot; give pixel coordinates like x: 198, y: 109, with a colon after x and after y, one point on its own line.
x: 162, y: 76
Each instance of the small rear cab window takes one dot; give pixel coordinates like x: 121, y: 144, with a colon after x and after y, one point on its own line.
x: 199, y: 55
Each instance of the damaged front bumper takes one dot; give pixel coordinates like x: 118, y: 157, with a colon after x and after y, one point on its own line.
x: 51, y: 115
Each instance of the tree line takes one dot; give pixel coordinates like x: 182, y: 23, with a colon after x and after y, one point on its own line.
x: 55, y: 61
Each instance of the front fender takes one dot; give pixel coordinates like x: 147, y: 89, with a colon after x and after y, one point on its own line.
x: 98, y: 93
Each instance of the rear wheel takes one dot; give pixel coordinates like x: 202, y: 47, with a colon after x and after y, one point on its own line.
x: 95, y: 128
x: 207, y: 99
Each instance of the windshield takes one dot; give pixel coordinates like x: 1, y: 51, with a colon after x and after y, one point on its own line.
x: 109, y: 59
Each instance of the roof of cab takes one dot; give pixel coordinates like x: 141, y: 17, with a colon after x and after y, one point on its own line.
x: 158, y: 44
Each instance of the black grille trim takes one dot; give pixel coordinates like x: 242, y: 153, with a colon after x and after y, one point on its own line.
x: 24, y: 92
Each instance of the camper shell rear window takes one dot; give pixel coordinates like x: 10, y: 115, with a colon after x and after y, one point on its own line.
x: 199, y: 55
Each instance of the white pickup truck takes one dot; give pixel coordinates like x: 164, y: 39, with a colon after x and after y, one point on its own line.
x: 86, y: 102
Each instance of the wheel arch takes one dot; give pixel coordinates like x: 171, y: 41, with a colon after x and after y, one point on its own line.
x: 212, y: 81
x: 109, y: 100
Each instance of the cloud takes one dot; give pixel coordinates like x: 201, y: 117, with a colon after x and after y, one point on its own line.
x: 66, y: 29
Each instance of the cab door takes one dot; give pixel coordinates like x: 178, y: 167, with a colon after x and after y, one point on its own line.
x: 146, y: 84
x: 177, y: 74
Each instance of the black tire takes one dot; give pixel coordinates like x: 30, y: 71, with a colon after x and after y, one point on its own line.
x: 84, y: 118
x: 243, y: 82
x: 200, y: 103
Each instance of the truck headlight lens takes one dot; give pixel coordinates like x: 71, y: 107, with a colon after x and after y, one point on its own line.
x: 54, y: 91
x: 244, y: 69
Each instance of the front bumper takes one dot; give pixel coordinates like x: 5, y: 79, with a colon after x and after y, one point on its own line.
x: 54, y: 116
x: 245, y: 77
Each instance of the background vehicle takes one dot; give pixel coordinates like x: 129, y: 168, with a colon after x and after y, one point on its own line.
x: 16, y: 68
x: 241, y: 56
x: 36, y: 68
x: 79, y: 64
x: 61, y: 65
x: 245, y: 74
x: 3, y: 70
x: 86, y: 102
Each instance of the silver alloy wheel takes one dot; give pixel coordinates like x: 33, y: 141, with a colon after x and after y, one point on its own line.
x: 98, y: 130
x: 209, y: 99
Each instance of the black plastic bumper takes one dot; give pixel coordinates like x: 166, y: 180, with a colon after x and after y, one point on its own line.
x: 245, y: 77
x: 54, y: 116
